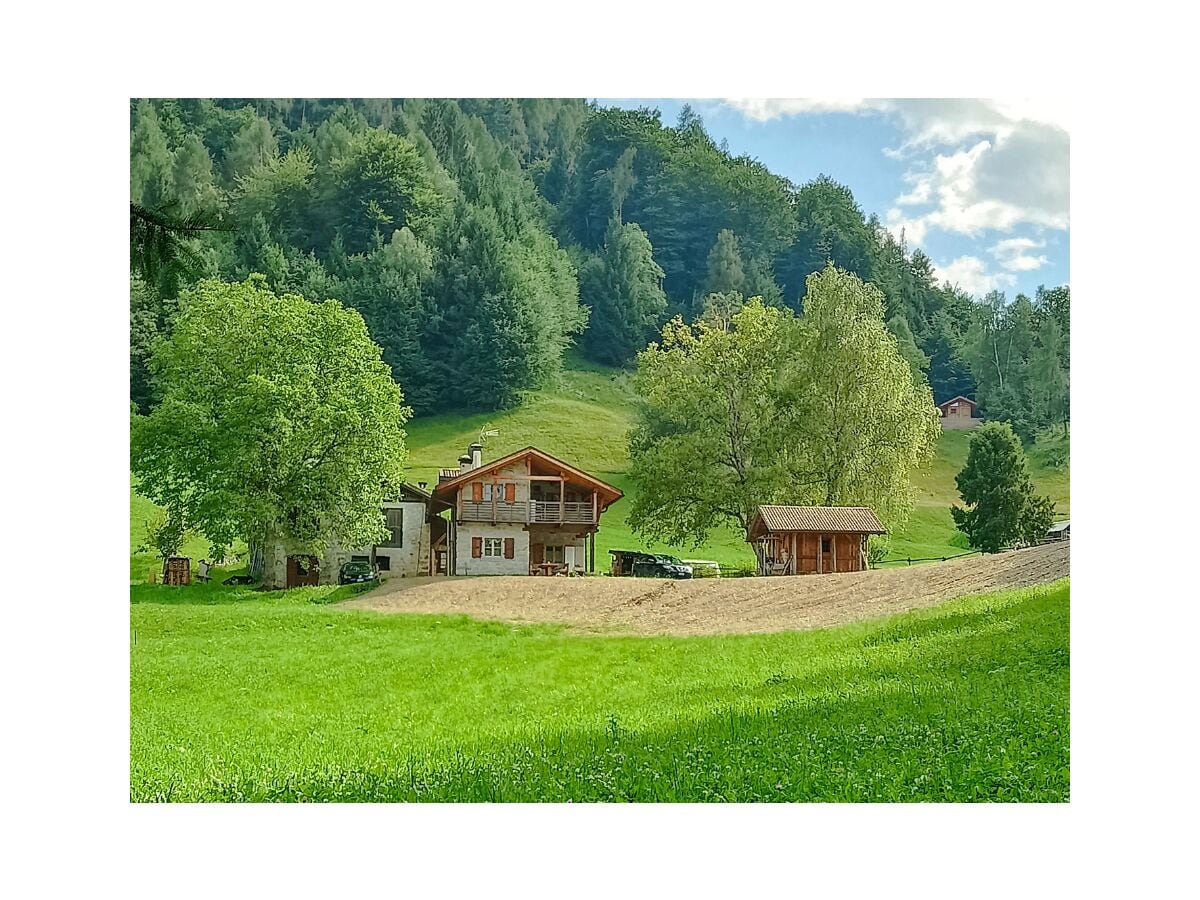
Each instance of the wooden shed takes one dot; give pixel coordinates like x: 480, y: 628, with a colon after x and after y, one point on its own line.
x: 958, y: 412
x: 803, y: 540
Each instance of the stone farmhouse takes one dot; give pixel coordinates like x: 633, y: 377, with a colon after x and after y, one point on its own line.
x: 527, y: 513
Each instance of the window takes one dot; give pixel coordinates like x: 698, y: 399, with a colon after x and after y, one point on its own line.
x: 493, y: 547
x: 395, y: 524
x: 383, y: 563
x: 554, y: 554
x: 824, y: 545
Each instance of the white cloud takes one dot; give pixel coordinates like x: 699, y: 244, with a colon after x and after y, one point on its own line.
x: 912, y: 229
x: 970, y: 273
x: 1012, y: 254
x: 975, y: 165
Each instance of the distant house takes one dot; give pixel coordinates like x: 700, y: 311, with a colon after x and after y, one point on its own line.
x: 802, y: 540
x: 406, y: 551
x: 523, y: 514
x: 1059, y: 531
x: 958, y: 412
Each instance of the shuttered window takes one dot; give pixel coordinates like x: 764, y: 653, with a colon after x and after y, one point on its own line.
x: 510, y: 493
x: 476, y: 547
x: 510, y: 548
x: 492, y: 546
x: 395, y: 524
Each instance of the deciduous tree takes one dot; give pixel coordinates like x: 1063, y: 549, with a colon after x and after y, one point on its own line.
x: 278, y: 419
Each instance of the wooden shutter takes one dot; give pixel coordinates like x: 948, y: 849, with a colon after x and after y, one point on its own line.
x: 476, y: 547
x: 510, y: 493
x: 510, y: 548
x: 477, y: 491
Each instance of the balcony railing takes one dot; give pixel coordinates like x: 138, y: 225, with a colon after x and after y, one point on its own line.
x: 529, y: 511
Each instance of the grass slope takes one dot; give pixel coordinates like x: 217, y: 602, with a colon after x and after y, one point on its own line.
x: 584, y: 419
x: 242, y: 696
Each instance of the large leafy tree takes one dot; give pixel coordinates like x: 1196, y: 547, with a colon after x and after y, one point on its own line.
x: 762, y: 406
x: 278, y: 419
x: 865, y: 422
x: 1002, y: 505
x: 710, y: 445
x: 623, y: 288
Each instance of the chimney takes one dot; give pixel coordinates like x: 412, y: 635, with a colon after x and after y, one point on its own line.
x: 476, y: 451
x: 464, y: 463
x: 421, y: 484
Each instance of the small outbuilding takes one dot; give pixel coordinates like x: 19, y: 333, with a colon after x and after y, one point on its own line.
x: 803, y: 540
x: 1059, y: 531
x: 958, y: 412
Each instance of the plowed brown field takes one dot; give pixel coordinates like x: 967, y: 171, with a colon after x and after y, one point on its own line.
x: 714, y: 605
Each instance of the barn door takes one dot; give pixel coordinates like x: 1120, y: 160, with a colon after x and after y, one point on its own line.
x: 302, y: 571
x: 827, y: 554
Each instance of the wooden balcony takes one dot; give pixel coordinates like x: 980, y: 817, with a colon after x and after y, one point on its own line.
x: 546, y: 512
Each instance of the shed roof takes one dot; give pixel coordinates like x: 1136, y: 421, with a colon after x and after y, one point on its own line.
x: 825, y: 519
x: 956, y: 399
x: 1059, y: 526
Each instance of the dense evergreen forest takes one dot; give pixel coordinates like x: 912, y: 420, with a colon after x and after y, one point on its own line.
x: 481, y: 239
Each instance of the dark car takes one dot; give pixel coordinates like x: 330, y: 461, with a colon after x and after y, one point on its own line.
x: 660, y: 566
x: 357, y: 573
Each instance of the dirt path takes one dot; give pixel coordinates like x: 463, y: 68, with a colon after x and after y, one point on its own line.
x: 718, y: 606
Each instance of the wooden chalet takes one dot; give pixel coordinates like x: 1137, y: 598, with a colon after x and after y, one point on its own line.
x: 803, y: 540
x: 958, y: 412
x: 526, y: 513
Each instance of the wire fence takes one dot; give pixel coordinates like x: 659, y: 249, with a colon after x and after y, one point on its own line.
x: 909, y: 560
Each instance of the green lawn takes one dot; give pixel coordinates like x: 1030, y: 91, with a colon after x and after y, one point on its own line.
x: 244, y: 696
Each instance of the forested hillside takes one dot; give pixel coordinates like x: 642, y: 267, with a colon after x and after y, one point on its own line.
x: 480, y: 239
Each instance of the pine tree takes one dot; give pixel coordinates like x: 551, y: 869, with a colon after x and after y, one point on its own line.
x: 623, y: 288
x: 149, y: 160
x: 724, y: 271
x: 192, y: 178
x: 1002, y: 506
x: 254, y: 145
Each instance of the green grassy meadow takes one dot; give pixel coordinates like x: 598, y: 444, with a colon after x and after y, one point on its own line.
x: 240, y: 696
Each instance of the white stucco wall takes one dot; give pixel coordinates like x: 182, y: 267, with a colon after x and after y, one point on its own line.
x: 405, y: 562
x: 491, y: 565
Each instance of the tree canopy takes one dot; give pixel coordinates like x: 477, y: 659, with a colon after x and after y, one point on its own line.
x: 767, y: 407
x: 278, y: 418
x: 515, y: 212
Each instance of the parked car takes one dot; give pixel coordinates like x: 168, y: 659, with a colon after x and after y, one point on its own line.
x: 357, y: 573
x: 655, y: 565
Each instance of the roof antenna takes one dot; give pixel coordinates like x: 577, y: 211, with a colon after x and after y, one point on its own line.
x: 486, y: 432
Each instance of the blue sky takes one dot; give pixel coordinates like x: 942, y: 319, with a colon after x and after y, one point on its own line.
x: 981, y: 186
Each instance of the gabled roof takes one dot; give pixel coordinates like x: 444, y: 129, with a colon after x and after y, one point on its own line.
x: 825, y: 519
x: 959, y: 397
x: 411, y: 491
x: 608, y: 494
x: 1059, y: 526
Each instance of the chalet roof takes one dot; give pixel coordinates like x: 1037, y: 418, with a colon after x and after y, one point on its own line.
x: 959, y: 397
x: 447, y: 474
x: 608, y: 494
x: 825, y: 519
